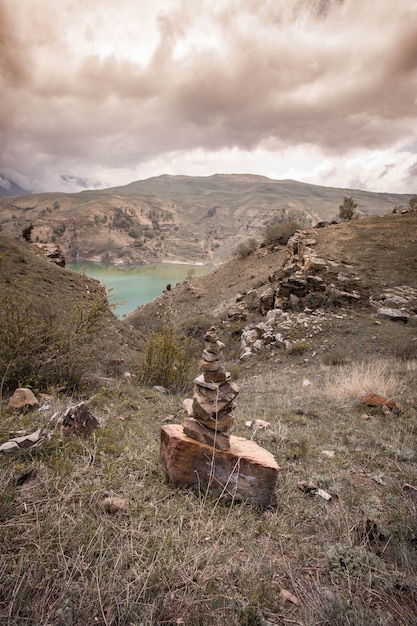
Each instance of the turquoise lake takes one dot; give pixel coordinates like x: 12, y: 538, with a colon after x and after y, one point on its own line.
x: 130, y: 286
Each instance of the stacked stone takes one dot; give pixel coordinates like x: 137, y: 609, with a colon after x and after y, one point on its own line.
x: 210, y: 409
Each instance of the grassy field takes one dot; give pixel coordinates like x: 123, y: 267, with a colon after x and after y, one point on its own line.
x: 173, y: 557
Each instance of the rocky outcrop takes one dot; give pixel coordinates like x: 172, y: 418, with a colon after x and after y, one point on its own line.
x: 52, y: 252
x: 398, y: 304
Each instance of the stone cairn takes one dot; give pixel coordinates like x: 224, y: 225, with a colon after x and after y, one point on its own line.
x: 201, y: 455
x: 210, y: 410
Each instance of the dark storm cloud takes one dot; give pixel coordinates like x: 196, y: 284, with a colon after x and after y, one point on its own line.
x: 80, y: 92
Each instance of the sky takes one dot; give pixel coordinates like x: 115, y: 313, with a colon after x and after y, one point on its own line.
x: 99, y: 93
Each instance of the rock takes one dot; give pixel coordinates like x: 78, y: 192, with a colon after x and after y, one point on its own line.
x: 287, y: 596
x: 266, y: 300
x: 196, y: 430
x: 374, y: 399
x: 244, y: 472
x: 52, y: 252
x: 22, y: 398
x: 273, y: 316
x: 396, y: 315
x: 26, y: 443
x: 410, y: 490
x: 261, y: 424
x: 161, y: 389
x: 113, y: 504
x: 78, y: 421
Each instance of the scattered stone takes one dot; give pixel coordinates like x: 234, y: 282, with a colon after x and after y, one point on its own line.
x: 261, y: 424
x: 374, y: 399
x: 309, y: 487
x: 161, y: 389
x: 26, y: 443
x: 287, y: 596
x: 323, y: 494
x: 395, y: 315
x: 410, y: 490
x: 78, y: 421
x: 329, y: 453
x: 22, y: 399
x: 113, y: 504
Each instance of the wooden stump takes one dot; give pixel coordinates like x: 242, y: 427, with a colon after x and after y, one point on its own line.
x: 244, y: 472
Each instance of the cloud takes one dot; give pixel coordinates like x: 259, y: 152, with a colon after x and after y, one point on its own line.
x: 102, y: 95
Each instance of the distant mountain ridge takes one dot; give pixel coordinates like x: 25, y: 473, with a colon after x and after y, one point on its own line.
x: 192, y: 219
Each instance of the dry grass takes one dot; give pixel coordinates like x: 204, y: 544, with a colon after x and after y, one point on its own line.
x: 353, y: 381
x: 173, y: 557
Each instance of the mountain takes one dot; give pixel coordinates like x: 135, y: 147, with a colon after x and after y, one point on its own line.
x: 9, y: 188
x: 178, y: 218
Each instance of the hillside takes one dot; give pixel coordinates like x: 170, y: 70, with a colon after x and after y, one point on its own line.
x: 366, y: 257
x: 56, y: 326
x: 92, y: 531
x: 177, y: 218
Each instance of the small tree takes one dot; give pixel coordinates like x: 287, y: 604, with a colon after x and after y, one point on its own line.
x: 27, y: 233
x: 347, y: 210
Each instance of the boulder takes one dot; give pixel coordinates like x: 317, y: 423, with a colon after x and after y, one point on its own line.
x: 22, y: 399
x: 396, y: 315
x: 78, y: 421
x: 266, y: 300
x: 245, y: 472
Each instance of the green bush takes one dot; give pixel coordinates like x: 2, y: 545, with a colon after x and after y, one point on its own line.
x: 44, y: 344
x: 245, y: 248
x: 168, y: 359
x: 280, y: 233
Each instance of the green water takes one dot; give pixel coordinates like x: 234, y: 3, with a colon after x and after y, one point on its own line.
x: 132, y: 285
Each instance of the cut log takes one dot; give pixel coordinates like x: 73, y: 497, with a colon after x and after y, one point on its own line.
x: 246, y: 472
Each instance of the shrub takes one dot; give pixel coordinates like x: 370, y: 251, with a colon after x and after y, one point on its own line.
x: 298, y: 347
x: 44, y: 344
x: 347, y: 209
x: 245, y: 248
x: 27, y: 233
x: 168, y: 359
x: 280, y: 233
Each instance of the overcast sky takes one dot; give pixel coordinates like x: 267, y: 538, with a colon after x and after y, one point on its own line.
x: 98, y: 93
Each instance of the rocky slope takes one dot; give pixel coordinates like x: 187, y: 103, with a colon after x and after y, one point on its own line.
x: 335, y: 293
x: 169, y: 218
